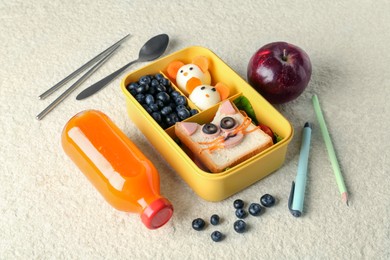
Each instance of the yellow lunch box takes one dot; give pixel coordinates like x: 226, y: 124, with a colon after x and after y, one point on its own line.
x: 210, y: 186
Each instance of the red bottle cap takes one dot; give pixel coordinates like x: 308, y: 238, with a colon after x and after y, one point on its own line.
x: 157, y: 213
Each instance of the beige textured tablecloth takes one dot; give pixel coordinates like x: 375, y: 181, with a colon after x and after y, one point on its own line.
x: 49, y: 210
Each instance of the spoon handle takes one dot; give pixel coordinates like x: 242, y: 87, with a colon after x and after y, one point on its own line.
x: 74, y: 86
x: 102, y: 83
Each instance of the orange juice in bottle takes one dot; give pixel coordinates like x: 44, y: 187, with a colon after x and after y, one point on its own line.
x: 116, y: 167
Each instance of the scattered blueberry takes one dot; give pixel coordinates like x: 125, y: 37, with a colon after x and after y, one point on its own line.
x: 241, y: 213
x: 238, y: 204
x: 239, y: 226
x: 267, y: 200
x: 198, y: 224
x: 216, y: 236
x: 214, y: 219
x: 255, y: 209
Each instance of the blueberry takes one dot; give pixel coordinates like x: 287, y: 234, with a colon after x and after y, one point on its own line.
x: 238, y: 204
x: 147, y: 108
x: 159, y: 76
x: 180, y: 107
x: 239, y: 226
x: 145, y: 79
x: 216, y: 236
x: 173, y: 105
x: 165, y: 82
x: 160, y: 104
x: 152, y: 90
x: 132, y: 86
x: 169, y: 89
x: 183, y: 113
x: 166, y: 110
x: 198, y: 224
x: 241, y: 213
x: 163, y: 96
x: 174, y: 94
x: 154, y: 83
x: 255, y: 209
x: 142, y: 88
x: 161, y: 88
x: 154, y: 107
x: 171, y: 119
x: 140, y: 98
x: 157, y: 117
x: 149, y: 99
x: 181, y: 100
x: 133, y: 92
x: 214, y: 219
x: 267, y: 200
x: 194, y: 111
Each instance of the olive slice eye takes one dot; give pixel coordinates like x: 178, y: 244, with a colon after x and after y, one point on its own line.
x: 227, y: 123
x: 209, y: 129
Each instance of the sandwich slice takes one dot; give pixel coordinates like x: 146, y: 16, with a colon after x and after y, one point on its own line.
x: 229, y: 139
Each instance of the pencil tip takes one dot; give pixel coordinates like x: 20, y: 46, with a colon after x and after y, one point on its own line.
x: 344, y: 197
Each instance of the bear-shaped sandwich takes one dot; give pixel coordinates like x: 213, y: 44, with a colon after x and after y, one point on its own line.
x: 229, y: 139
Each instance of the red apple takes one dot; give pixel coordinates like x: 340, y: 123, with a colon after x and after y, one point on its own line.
x: 279, y: 71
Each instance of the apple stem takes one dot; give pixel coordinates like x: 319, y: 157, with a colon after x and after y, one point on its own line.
x: 284, y: 57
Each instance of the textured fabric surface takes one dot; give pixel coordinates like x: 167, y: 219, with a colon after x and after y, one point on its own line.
x: 48, y: 209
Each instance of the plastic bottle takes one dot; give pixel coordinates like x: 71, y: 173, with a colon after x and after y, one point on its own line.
x: 116, y: 167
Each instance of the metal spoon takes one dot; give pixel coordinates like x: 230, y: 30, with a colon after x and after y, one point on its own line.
x: 151, y: 50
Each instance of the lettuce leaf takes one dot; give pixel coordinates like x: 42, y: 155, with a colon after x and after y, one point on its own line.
x: 242, y: 103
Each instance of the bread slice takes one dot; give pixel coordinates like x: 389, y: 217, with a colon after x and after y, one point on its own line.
x: 226, y: 148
